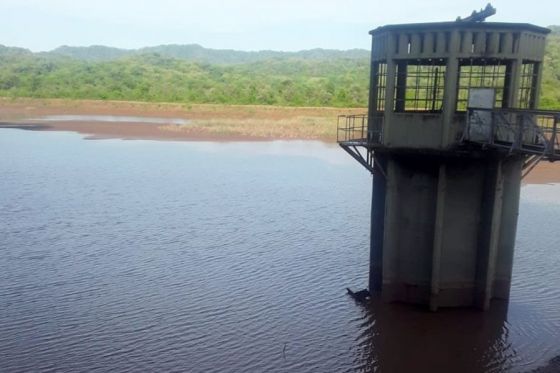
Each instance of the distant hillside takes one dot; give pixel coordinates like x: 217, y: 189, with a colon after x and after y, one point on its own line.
x: 92, y: 53
x: 189, y: 74
x: 195, y: 52
x: 194, y: 74
x: 14, y: 51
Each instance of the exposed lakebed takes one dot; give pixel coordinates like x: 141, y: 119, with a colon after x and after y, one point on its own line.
x: 110, y: 119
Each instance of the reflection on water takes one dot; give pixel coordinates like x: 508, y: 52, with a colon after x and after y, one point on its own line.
x: 326, y: 152
x: 399, y: 338
x: 110, y: 118
x: 514, y: 337
x: 160, y: 256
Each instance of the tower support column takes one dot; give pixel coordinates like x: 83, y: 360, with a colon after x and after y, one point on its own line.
x: 441, y: 229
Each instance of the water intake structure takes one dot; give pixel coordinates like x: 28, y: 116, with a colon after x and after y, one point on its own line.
x: 451, y: 130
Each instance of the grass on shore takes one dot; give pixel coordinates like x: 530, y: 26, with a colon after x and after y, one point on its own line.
x: 258, y: 121
x: 297, y: 127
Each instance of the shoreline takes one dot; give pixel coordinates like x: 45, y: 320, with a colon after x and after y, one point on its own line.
x: 220, y: 123
x: 133, y: 131
x: 206, y: 121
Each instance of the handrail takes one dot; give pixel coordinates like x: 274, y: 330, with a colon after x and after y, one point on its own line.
x: 527, y: 131
x: 351, y: 127
x: 355, y: 128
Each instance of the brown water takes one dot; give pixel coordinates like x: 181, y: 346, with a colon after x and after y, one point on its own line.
x: 150, y: 256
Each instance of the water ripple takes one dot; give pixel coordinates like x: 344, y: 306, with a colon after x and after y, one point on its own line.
x: 147, y: 256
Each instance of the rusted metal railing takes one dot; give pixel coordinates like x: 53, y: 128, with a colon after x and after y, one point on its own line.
x: 533, y: 132
x: 356, y: 129
x: 352, y: 128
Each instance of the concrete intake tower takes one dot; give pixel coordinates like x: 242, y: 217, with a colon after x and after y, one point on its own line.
x: 451, y: 130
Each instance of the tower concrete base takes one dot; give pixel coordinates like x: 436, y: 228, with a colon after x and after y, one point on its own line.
x: 443, y: 229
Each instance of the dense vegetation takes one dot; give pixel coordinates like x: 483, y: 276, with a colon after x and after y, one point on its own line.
x: 311, y: 78
x: 550, y: 92
x: 193, y: 74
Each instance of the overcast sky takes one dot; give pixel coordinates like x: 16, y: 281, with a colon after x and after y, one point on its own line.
x: 237, y: 24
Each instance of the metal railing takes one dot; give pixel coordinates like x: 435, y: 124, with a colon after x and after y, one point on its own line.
x: 535, y: 132
x: 352, y: 136
x: 354, y: 129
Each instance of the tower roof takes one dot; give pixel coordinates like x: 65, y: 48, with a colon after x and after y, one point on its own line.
x: 458, y: 25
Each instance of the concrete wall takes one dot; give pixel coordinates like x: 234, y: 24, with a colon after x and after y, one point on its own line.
x: 414, y: 130
x: 448, y: 43
x: 377, y: 224
x: 448, y: 229
x: 409, y: 226
x: 510, y: 212
x: 462, y: 210
x: 482, y: 39
x: 443, y: 225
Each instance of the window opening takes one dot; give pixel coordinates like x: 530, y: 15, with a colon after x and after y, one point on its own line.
x: 527, y: 85
x: 482, y: 73
x: 381, y: 80
x: 419, y: 86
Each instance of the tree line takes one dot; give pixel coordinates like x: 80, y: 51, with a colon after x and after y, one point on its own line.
x: 152, y: 77
x: 190, y: 74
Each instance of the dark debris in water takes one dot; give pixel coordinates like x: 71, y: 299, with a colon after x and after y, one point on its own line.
x: 361, y: 296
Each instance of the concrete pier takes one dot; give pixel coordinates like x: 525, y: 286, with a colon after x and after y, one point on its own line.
x: 452, y: 127
x: 443, y: 229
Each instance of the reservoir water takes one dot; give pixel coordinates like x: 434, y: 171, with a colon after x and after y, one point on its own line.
x: 232, y: 257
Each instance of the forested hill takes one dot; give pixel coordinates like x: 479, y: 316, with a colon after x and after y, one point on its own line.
x: 550, y: 92
x: 190, y: 75
x: 197, y: 53
x: 193, y: 74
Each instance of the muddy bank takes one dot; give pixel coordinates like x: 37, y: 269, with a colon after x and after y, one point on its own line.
x: 25, y: 108
x: 544, y: 173
x: 128, y: 131
x: 213, y: 122
x: 205, y: 123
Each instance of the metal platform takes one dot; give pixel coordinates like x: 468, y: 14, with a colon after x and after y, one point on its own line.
x: 530, y: 132
x: 352, y: 136
x: 534, y: 133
